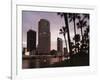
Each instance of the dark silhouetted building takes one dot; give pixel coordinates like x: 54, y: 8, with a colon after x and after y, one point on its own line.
x: 31, y: 41
x: 43, y: 36
x: 60, y: 45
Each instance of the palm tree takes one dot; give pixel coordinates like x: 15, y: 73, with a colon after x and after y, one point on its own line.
x: 86, y: 16
x: 82, y: 23
x: 66, y: 30
x: 77, y: 39
x: 83, y: 19
x: 63, y: 31
x: 72, y: 18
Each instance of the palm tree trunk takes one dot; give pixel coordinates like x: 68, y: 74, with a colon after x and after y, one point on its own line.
x: 68, y: 34
x: 74, y: 33
x: 65, y: 41
x: 74, y: 28
x: 81, y: 32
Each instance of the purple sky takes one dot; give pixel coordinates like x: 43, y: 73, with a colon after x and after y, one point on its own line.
x: 30, y: 20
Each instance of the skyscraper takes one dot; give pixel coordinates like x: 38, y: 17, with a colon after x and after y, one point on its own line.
x: 43, y: 36
x: 60, y: 45
x: 31, y: 40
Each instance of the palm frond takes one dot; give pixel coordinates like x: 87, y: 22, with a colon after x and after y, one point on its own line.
x: 61, y: 14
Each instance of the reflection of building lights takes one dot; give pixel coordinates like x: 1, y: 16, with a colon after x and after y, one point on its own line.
x: 26, y: 53
x: 25, y: 50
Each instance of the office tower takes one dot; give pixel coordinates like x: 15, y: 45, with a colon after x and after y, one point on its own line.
x: 43, y: 37
x: 31, y: 41
x: 60, y: 45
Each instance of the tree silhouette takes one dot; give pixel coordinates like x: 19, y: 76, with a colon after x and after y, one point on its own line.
x: 82, y: 22
x: 83, y: 19
x: 77, y: 39
x: 66, y: 28
x: 86, y: 40
x: 72, y: 18
x: 53, y: 52
x: 63, y: 31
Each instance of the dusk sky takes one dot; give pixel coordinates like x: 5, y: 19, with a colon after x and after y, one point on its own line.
x: 30, y: 20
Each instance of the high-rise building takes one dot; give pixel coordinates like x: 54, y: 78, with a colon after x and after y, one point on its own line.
x: 43, y: 36
x: 60, y: 45
x: 31, y: 41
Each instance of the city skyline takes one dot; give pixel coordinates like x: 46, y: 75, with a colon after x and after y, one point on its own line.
x: 55, y: 39
x: 30, y: 20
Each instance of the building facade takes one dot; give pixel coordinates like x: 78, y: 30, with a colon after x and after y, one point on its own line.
x: 43, y: 37
x: 59, y: 46
x: 31, y: 41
